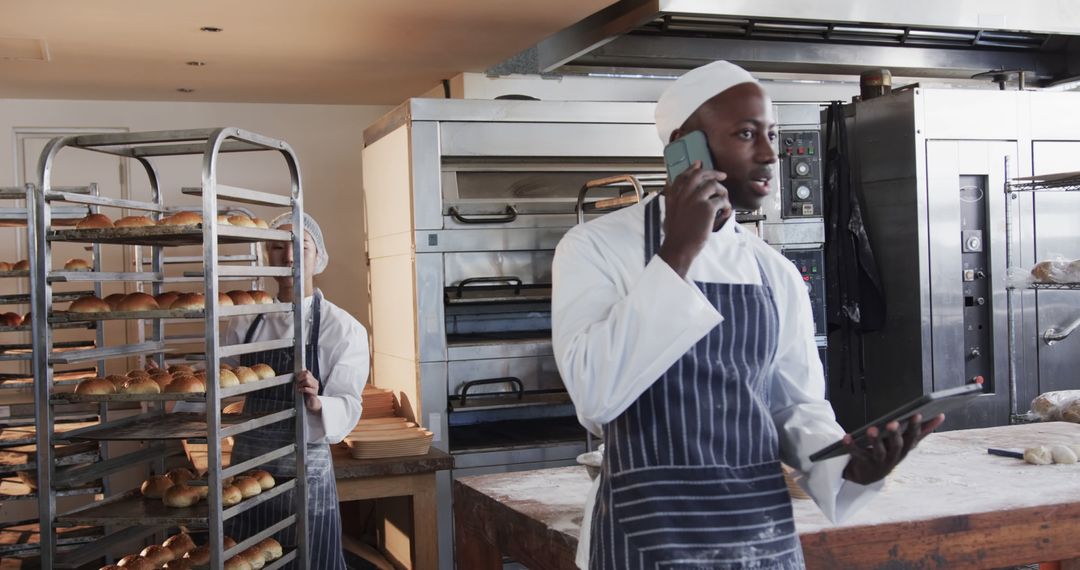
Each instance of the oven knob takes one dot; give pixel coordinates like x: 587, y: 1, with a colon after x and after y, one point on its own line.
x: 802, y: 168
x: 802, y: 192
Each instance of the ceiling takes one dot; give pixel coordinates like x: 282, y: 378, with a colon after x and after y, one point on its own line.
x: 274, y: 51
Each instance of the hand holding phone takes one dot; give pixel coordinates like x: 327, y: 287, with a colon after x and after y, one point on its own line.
x: 695, y: 201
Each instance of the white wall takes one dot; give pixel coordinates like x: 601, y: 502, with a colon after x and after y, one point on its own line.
x: 328, y: 140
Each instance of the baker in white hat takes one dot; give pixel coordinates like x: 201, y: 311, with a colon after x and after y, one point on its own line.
x: 687, y: 343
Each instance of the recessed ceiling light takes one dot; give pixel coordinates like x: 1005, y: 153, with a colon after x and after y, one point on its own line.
x: 210, y: 29
x: 196, y: 63
x: 185, y: 89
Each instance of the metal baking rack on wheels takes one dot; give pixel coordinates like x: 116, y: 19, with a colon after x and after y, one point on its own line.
x: 18, y: 463
x: 128, y: 516
x: 1061, y: 182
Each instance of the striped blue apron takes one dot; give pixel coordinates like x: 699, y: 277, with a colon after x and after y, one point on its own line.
x: 691, y: 478
x: 324, y: 521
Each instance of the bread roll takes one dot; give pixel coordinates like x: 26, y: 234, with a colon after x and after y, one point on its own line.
x: 133, y: 562
x: 254, y: 556
x: 261, y: 297
x: 180, y: 564
x: 183, y: 219
x: 190, y: 302
x: 163, y: 380
x: 261, y: 223
x: 88, y: 304
x: 180, y: 496
x: 1071, y: 413
x: 199, y: 556
x: 137, y: 373
x: 271, y: 548
x: 230, y: 495
x: 134, y: 222
x: 179, y: 544
x: 246, y: 374
x: 158, y: 555
x: 265, y: 479
x: 240, y: 297
x: 227, y: 379
x: 137, y: 302
x: 237, y: 563
x: 118, y: 381
x: 181, y: 368
x: 11, y: 319
x: 166, y: 299
x: 21, y: 265
x: 228, y: 542
x: 26, y: 318
x: 111, y: 567
x: 76, y: 264
x: 241, y: 220
x: 185, y: 385
x: 224, y: 300
x: 5, y: 266
x: 180, y: 475
x: 155, y: 486
x: 249, y: 486
x: 263, y: 371
x: 141, y: 386
x: 225, y: 366
x: 95, y: 386
x: 94, y: 221
x: 223, y: 220
x: 114, y: 300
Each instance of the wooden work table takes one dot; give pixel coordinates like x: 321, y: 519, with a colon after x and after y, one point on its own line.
x: 948, y: 505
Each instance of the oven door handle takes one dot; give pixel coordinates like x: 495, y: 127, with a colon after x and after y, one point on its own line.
x: 515, y: 381
x: 511, y: 215
x: 509, y: 280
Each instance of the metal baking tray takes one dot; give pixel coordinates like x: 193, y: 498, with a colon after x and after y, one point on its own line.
x: 71, y: 397
x: 57, y: 317
x: 177, y: 425
x: 167, y: 235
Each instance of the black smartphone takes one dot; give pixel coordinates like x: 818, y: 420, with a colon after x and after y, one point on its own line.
x: 682, y: 153
x: 929, y: 405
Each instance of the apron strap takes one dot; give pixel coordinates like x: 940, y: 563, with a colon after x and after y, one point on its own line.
x: 313, y: 336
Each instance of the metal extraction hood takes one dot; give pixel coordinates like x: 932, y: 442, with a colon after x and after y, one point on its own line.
x: 914, y: 38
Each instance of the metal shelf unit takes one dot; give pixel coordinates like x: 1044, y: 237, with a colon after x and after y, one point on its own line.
x: 213, y: 425
x: 1060, y: 182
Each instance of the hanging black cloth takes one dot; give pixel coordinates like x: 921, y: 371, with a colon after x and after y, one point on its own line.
x: 855, y: 300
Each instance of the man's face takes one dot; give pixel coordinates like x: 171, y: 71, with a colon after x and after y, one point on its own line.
x: 280, y: 253
x: 741, y: 131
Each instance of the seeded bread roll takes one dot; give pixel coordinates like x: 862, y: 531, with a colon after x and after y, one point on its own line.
x: 180, y: 496
x: 181, y: 368
x: 138, y: 372
x: 240, y: 297
x: 95, y: 386
x: 261, y: 297
x: 246, y: 375
x: 179, y: 544
x: 163, y: 380
x: 157, y: 555
x: 88, y: 304
x: 134, y: 222
x: 141, y: 386
x: 190, y: 302
x: 227, y: 379
x: 137, y: 302
x: 114, y: 300
x: 263, y: 371
x: 76, y: 264
x: 119, y: 381
x: 94, y: 221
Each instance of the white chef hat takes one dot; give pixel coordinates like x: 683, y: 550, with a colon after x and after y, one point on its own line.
x: 322, y: 257
x: 690, y: 91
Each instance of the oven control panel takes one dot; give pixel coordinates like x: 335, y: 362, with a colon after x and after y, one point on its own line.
x: 800, y: 174
x: 811, y: 265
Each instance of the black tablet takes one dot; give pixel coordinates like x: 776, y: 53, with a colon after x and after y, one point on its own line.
x: 929, y: 405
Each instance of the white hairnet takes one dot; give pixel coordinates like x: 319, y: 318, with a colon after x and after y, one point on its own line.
x: 690, y: 91
x: 322, y: 257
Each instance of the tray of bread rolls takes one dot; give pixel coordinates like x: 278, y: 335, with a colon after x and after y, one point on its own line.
x: 181, y: 551
x: 178, y: 383
x: 182, y: 228
x: 387, y: 437
x: 167, y: 305
x: 176, y: 425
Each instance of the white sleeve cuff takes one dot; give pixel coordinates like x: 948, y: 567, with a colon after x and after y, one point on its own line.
x: 837, y: 497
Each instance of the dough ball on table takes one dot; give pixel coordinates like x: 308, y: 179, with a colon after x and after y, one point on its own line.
x: 1063, y: 454
x: 245, y: 374
x: 158, y: 555
x: 155, y: 486
x: 141, y: 386
x: 189, y: 302
x: 166, y: 299
x: 240, y: 297
x: 263, y: 371
x: 226, y: 378
x: 265, y: 479
x: 230, y: 495
x: 94, y: 221
x: 180, y: 475
x: 179, y: 544
x: 180, y: 496
x: 249, y: 486
x: 134, y: 222
x: 133, y: 562
x: 271, y: 548
x: 95, y: 386
x: 1038, y: 455
x: 89, y: 304
x: 137, y: 302
x: 21, y: 265
x: 77, y: 264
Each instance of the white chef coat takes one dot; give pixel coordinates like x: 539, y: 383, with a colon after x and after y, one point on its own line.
x: 343, y: 364
x: 618, y: 325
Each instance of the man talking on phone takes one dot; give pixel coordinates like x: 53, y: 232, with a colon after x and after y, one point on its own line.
x: 687, y: 342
